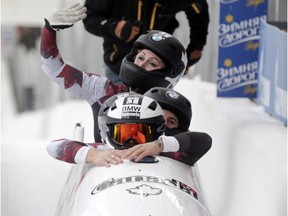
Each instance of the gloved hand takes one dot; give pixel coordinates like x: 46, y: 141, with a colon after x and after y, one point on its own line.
x: 127, y: 30
x: 193, y: 58
x: 66, y: 17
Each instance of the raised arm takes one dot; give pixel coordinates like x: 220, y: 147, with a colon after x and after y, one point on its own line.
x: 198, y: 17
x: 89, y: 86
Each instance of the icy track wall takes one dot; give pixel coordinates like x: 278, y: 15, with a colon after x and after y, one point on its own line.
x: 245, y: 171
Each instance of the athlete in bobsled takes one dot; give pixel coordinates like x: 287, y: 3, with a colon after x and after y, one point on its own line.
x: 177, y: 114
x: 102, y: 154
x: 154, y: 185
x: 115, y: 127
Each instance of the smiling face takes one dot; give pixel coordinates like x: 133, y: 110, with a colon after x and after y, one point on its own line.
x: 148, y: 60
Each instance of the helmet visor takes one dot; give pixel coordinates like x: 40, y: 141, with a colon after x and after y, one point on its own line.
x: 131, y: 134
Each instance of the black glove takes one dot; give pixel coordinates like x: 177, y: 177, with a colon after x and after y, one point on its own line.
x: 127, y: 28
x: 193, y: 61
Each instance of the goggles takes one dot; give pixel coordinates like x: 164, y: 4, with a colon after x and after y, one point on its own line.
x: 132, y: 134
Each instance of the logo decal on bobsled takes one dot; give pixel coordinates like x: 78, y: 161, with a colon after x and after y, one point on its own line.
x: 144, y: 190
x: 141, y: 178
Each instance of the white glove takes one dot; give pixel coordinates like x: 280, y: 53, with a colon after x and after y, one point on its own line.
x: 66, y: 17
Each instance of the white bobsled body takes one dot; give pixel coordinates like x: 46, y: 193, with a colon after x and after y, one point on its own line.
x: 166, y: 187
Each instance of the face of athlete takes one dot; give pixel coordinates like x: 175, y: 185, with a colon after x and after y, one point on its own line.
x: 148, y: 60
x: 171, y: 120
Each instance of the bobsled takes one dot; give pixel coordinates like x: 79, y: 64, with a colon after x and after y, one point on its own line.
x: 155, y: 186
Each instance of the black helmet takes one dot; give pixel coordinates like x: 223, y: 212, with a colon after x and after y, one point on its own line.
x: 129, y: 119
x: 168, y: 48
x: 175, y: 102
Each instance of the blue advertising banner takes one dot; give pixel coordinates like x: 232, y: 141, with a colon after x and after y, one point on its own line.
x: 238, y: 42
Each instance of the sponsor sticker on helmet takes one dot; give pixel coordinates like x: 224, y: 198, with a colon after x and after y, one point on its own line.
x: 131, y: 107
x: 160, y: 36
x: 172, y: 95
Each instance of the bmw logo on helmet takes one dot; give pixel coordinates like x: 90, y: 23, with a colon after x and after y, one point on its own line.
x: 159, y: 36
x: 172, y: 95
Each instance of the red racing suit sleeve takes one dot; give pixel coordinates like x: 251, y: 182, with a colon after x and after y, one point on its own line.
x: 89, y: 86
x: 66, y: 150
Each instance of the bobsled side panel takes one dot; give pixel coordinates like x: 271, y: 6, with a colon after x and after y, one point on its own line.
x: 164, y: 188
